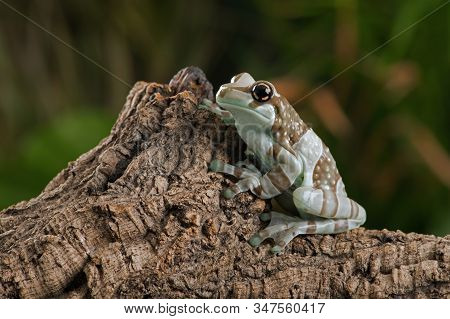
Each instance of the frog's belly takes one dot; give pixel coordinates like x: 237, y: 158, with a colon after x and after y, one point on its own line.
x: 260, y: 144
x: 257, y: 141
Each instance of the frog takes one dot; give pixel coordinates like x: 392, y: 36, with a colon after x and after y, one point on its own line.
x: 291, y: 165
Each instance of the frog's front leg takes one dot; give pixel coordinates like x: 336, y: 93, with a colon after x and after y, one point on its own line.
x: 248, y: 165
x: 281, y: 176
x: 247, y: 173
x: 224, y: 115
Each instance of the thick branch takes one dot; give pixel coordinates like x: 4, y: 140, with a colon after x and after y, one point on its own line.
x: 140, y: 216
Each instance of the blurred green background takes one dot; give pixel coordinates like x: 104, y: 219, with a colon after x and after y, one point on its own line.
x: 385, y: 119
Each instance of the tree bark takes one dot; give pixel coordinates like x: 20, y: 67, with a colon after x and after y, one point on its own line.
x: 140, y: 215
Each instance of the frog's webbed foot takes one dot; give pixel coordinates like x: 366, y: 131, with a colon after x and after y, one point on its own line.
x: 248, y: 176
x: 283, y: 228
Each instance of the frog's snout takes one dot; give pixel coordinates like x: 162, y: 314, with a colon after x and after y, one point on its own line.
x: 228, y: 94
x: 224, y: 91
x: 236, y: 89
x: 221, y: 93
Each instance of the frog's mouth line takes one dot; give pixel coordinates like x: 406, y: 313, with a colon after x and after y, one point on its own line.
x: 230, y: 107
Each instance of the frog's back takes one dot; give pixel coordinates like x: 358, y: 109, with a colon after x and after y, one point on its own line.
x: 320, y: 170
x: 326, y: 175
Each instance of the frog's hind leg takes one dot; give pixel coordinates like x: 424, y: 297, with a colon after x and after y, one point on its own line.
x: 329, y: 204
x: 283, y: 228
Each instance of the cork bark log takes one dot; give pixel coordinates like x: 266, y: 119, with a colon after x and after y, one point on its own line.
x: 140, y: 215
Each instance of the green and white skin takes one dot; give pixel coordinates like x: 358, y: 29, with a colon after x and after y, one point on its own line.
x: 295, y: 166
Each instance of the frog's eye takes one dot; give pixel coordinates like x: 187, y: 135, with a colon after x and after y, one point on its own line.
x: 262, y: 92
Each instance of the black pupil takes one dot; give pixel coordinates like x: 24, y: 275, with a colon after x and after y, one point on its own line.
x: 261, y: 92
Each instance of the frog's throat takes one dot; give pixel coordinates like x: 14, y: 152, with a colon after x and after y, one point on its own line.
x: 233, y: 107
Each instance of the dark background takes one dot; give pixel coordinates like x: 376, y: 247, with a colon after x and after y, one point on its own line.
x: 386, y: 119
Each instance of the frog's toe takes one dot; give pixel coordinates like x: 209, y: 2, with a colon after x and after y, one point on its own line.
x: 206, y: 102
x: 228, y: 193
x: 260, y: 236
x: 255, y: 240
x: 276, y: 250
x: 265, y: 217
x: 216, y: 165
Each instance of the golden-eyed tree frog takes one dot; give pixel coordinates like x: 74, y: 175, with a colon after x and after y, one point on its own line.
x: 296, y: 167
